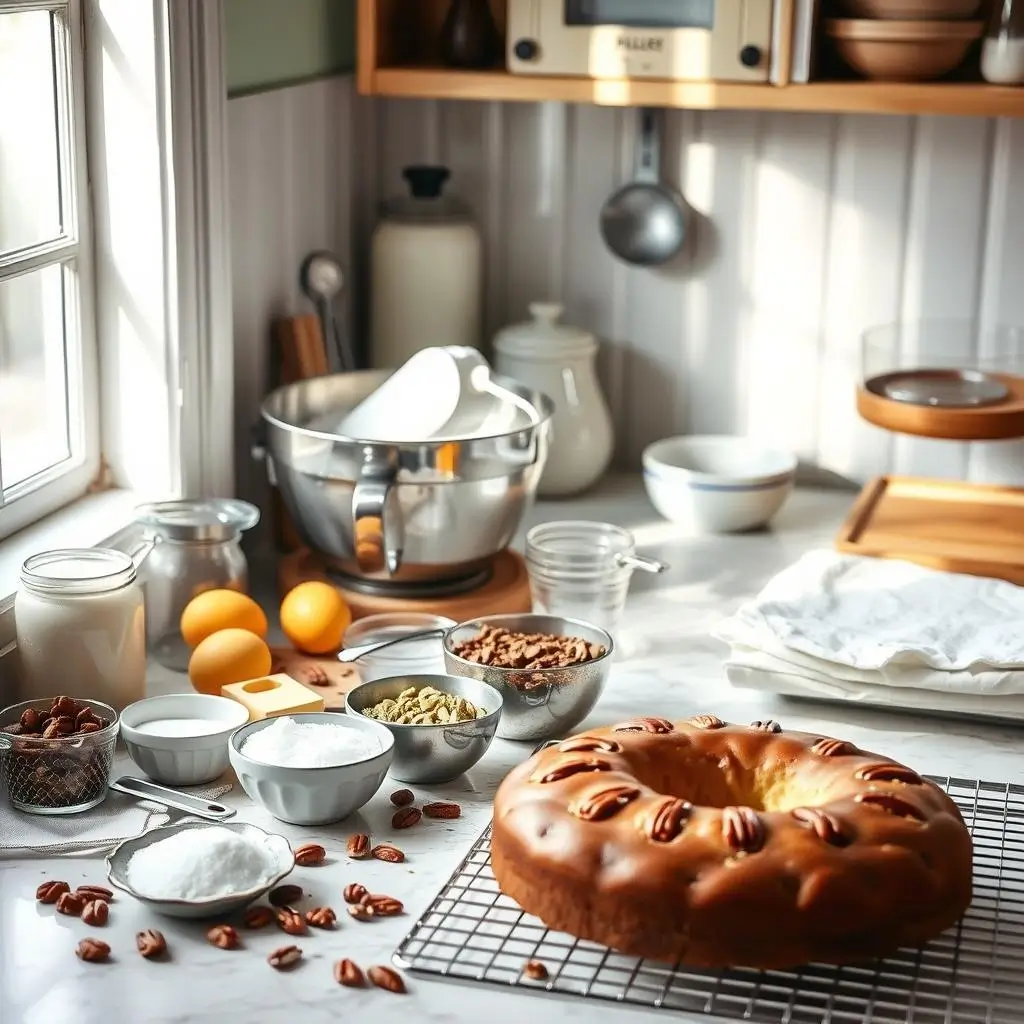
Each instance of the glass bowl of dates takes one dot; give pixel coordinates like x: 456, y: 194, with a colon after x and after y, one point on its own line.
x: 57, y: 754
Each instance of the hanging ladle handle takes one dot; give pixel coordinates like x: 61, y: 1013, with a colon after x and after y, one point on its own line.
x: 641, y: 563
x: 351, y: 654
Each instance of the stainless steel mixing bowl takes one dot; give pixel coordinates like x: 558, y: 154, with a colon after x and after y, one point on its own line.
x: 540, y: 704
x: 410, y: 513
x: 433, y: 753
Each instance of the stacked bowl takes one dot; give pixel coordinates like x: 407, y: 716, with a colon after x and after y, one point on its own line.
x: 905, y: 40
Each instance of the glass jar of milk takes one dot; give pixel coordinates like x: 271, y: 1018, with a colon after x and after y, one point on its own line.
x: 80, y: 625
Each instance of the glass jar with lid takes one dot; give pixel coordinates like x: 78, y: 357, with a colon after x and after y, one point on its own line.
x: 80, y: 627
x: 194, y: 545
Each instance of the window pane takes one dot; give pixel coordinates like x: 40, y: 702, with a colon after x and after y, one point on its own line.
x: 29, y: 174
x: 34, y: 428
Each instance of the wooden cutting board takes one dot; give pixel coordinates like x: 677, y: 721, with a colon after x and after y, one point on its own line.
x: 942, y: 524
x: 337, y: 678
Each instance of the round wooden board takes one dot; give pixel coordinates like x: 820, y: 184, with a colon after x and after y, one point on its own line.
x: 980, y: 423
x: 507, y: 591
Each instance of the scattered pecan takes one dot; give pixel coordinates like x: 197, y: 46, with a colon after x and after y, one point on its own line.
x: 406, y: 817
x: 285, y: 895
x: 668, y: 819
x: 290, y: 921
x: 400, y: 798
x: 706, y: 722
x: 321, y: 917
x: 284, y: 958
x: 70, y: 904
x: 53, y: 730
x: 387, y: 978
x: 885, y: 802
x: 503, y: 648
x: 258, y: 917
x: 888, y: 773
x: 95, y: 892
x: 223, y: 936
x: 360, y: 912
x: 603, y: 803
x: 314, y: 675
x: 90, y: 727
x: 382, y: 906
x: 827, y: 827
x: 348, y: 973
x: 358, y: 846
x: 388, y: 853
x: 768, y: 725
x: 50, y: 892
x: 443, y: 809
x: 354, y: 892
x: 92, y: 951
x: 95, y: 912
x: 535, y: 970
x: 826, y: 747
x: 31, y: 720
x: 150, y: 943
x: 570, y: 766
x: 655, y: 725
x: 743, y: 829
x: 588, y: 744
x: 309, y: 855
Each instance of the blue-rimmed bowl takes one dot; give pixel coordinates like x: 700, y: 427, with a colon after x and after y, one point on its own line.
x: 717, y: 483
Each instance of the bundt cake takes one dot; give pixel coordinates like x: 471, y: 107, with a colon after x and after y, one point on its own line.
x: 721, y: 845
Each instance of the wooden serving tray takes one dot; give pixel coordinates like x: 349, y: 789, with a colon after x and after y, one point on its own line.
x: 943, y: 524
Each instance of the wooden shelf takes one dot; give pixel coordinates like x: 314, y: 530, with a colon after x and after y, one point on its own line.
x: 963, y: 98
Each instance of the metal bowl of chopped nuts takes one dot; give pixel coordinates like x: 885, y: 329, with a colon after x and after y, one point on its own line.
x: 57, y: 754
x: 442, y: 725
x: 549, y: 670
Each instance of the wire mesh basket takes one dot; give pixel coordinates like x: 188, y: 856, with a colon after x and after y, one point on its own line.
x: 971, y: 974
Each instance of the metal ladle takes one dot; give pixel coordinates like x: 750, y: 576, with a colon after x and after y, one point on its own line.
x: 322, y: 279
x: 644, y: 223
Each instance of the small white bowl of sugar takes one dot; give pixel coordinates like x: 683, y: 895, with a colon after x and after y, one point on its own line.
x: 312, y: 769
x: 200, y: 869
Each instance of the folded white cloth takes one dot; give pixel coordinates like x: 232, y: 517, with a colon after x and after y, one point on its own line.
x: 875, y: 622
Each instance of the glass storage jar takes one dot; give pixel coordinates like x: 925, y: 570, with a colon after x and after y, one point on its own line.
x: 193, y: 545
x: 416, y: 657
x: 80, y: 627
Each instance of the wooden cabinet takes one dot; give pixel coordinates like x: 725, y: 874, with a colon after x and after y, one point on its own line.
x: 397, y: 56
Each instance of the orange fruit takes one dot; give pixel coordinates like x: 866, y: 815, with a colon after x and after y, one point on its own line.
x: 213, y: 610
x: 314, y: 617
x: 228, y: 656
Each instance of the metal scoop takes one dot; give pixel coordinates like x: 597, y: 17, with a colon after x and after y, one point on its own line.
x: 644, y: 223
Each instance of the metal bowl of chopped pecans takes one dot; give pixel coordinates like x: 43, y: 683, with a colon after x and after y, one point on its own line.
x: 549, y: 670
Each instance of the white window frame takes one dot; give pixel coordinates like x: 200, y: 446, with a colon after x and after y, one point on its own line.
x: 43, y: 493
x: 155, y: 102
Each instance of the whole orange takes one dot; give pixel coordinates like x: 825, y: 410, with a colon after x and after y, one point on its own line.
x: 228, y: 656
x: 314, y: 617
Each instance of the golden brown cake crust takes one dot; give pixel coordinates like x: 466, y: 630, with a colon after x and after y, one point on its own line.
x: 721, y: 845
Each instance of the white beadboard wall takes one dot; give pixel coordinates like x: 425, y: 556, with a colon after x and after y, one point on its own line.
x: 806, y: 229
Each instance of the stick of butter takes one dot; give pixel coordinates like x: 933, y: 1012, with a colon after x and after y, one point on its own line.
x: 269, y: 696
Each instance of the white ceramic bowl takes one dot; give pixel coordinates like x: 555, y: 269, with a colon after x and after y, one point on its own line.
x: 190, y: 759
x: 280, y: 861
x: 717, y: 484
x: 314, y: 796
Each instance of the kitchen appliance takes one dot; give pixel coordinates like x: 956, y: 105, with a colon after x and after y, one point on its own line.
x: 558, y: 360
x: 426, y: 272
x: 693, y: 40
x: 412, y: 519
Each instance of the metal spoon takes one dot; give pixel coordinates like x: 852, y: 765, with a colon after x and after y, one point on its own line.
x: 640, y: 562
x: 644, y: 223
x: 351, y: 654
x: 322, y: 279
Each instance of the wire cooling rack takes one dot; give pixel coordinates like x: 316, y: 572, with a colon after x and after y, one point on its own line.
x: 972, y: 974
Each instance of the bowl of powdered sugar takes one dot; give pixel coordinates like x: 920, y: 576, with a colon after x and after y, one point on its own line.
x: 200, y: 869
x: 311, y: 769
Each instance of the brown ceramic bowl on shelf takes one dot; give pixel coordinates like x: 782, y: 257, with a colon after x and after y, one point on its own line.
x: 911, y: 10
x: 903, y: 51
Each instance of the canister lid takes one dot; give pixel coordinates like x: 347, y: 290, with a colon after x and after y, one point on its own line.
x: 201, y: 519
x: 426, y: 202
x: 545, y: 337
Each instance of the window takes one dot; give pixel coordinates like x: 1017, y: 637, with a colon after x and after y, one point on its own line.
x: 49, y: 431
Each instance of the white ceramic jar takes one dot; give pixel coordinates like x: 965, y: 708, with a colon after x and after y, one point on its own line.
x: 558, y: 360
x: 81, y: 629
x: 426, y: 272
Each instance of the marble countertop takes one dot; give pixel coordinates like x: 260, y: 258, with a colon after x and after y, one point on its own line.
x: 671, y: 668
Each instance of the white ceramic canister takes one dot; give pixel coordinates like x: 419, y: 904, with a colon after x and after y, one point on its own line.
x: 426, y: 272
x: 558, y: 360
x: 81, y: 629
